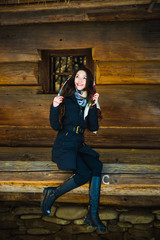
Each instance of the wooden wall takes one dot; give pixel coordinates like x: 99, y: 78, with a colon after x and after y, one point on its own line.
x: 127, y: 69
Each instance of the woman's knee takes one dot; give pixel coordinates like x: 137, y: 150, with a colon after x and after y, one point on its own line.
x: 81, y: 179
x: 98, y: 168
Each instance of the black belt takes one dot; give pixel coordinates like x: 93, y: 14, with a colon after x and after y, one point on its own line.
x: 76, y: 129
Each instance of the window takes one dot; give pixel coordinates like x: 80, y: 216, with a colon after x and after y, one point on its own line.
x: 58, y: 65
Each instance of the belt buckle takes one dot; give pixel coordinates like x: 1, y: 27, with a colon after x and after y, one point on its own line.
x: 77, y: 130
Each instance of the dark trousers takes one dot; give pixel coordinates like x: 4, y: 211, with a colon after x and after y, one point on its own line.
x: 87, y: 166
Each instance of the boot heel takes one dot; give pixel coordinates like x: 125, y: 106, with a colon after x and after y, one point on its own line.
x: 101, y: 228
x: 87, y: 222
x: 46, y: 195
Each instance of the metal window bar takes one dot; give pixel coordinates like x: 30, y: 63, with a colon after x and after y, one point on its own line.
x: 61, y: 67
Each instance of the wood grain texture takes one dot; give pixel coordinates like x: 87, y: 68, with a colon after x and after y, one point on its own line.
x: 74, y: 2
x: 55, y: 178
x: 19, y: 73
x: 110, y: 41
x: 106, y: 138
x: 130, y: 117
x: 130, y: 106
x: 122, y: 156
x: 63, y: 13
x: 111, y: 190
x: 122, y: 106
x: 122, y: 179
x: 132, y: 201
x: 128, y: 72
x: 38, y: 166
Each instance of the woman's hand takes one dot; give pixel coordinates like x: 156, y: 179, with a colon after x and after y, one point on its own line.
x: 95, y: 98
x: 57, y: 100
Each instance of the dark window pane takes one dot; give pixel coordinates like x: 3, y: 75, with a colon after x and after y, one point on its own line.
x: 61, y: 67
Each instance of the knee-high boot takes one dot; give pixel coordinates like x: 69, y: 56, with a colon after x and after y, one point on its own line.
x: 52, y: 193
x: 92, y: 217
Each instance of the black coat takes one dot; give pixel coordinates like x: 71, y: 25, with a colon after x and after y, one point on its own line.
x: 68, y: 144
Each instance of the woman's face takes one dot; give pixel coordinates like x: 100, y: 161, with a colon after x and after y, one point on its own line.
x: 80, y: 80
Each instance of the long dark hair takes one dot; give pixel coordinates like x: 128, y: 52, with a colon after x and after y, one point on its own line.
x: 69, y: 89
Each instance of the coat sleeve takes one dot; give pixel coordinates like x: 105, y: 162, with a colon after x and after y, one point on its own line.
x: 92, y: 119
x: 54, y: 115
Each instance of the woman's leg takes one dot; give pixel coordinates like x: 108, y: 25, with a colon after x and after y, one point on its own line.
x: 81, y: 176
x: 93, y: 163
x: 92, y: 217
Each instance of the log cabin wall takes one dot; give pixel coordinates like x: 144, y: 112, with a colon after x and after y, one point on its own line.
x: 126, y: 54
x: 127, y: 66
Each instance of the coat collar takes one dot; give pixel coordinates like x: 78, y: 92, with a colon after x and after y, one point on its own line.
x: 73, y: 98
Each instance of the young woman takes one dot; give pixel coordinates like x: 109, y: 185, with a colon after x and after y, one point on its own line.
x: 73, y: 110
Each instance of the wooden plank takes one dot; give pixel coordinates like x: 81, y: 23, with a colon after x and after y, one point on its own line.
x: 132, y: 201
x: 19, y: 55
x: 126, y: 137
x: 24, y: 97
x: 128, y: 72
x: 36, y: 166
x: 19, y: 73
x: 35, y: 177
x: 130, y: 117
x: 122, y: 106
x: 107, y: 137
x: 125, y: 13
x: 127, y: 156
x: 57, y: 177
x: 63, y: 4
x: 131, y: 45
x: 45, y: 16
x: 27, y: 2
x: 25, y: 154
x: 110, y: 41
x: 111, y: 190
x: 19, y: 90
x: 77, y: 15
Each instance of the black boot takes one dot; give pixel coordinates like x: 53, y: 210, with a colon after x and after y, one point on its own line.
x: 52, y: 193
x: 92, y: 217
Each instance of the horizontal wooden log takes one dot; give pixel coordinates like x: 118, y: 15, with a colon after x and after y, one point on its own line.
x: 73, y: 2
x: 14, y: 55
x: 123, y: 156
x: 108, y: 137
x: 125, y: 13
x: 110, y: 41
x: 31, y: 176
x: 130, y: 117
x: 111, y: 190
x: 36, y: 166
x: 23, y: 5
x: 54, y: 4
x: 55, y: 178
x: 130, y: 46
x: 30, y: 109
x: 132, y: 201
x: 122, y: 106
x: 130, y: 106
x: 72, y: 14
x: 19, y: 73
x: 128, y: 72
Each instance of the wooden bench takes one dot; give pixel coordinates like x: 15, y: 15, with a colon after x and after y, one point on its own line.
x: 123, y: 182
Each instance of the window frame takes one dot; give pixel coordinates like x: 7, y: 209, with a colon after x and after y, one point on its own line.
x: 44, y: 65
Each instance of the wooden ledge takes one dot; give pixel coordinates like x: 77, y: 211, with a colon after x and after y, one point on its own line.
x: 125, y: 181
